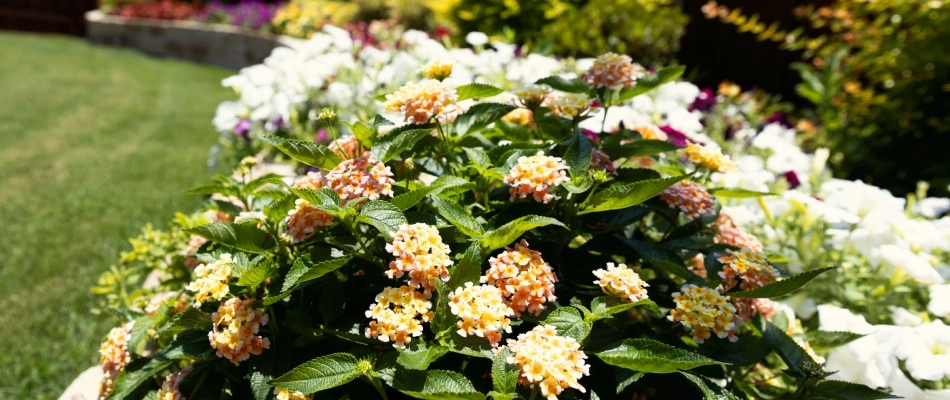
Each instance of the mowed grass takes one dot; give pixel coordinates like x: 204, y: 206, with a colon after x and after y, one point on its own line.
x: 95, y: 142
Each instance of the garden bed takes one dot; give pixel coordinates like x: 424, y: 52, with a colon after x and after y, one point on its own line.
x: 212, y: 44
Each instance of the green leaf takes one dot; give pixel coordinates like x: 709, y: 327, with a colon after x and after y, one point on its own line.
x: 379, y: 121
x: 309, y: 153
x: 782, y: 287
x: 622, y: 196
x: 191, y: 318
x: 652, y: 81
x: 272, y: 179
x: 134, y: 375
x: 476, y: 91
x: 660, y: 257
x: 478, y: 156
x: 800, y: 364
x: 578, y: 154
x: 321, y: 373
x: 838, y: 390
x: 469, y: 269
x: 365, y: 135
x: 459, y: 217
x: 606, y: 306
x: 304, y: 270
x: 568, y: 322
x: 213, y: 189
x: 406, y: 200
x: 442, y: 319
x: 277, y: 210
x: 396, y: 142
x: 435, y: 385
x: 640, y: 148
x: 504, y: 376
x: 650, y: 356
x: 827, y: 340
x: 480, y: 116
x: 324, y: 199
x: 737, y: 193
x: 710, y: 389
x: 384, y: 216
x: 507, y: 233
x: 573, y: 85
x: 419, y: 356
x: 244, y: 237
x: 257, y: 274
x: 188, y: 345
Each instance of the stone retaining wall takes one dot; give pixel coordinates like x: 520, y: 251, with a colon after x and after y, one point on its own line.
x: 222, y: 45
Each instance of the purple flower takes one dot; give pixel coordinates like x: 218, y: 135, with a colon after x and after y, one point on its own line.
x: 674, y: 136
x: 704, y: 101
x: 590, y: 135
x: 792, y: 178
x: 322, y: 136
x: 243, y: 129
x: 780, y: 118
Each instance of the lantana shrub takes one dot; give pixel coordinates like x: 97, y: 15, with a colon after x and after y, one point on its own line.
x: 489, y: 245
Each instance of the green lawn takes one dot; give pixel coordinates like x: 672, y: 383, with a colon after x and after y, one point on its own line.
x: 94, y: 143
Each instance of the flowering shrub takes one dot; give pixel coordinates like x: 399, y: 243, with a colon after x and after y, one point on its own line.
x: 250, y: 14
x: 459, y: 255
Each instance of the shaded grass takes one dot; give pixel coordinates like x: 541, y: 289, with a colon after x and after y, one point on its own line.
x: 94, y: 143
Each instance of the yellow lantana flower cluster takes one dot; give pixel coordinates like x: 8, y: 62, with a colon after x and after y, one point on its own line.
x: 708, y: 157
x: 398, y: 315
x: 524, y: 278
x: 114, y: 356
x: 170, y: 389
x: 728, y: 232
x: 304, y: 219
x: 420, y: 253
x: 437, y: 69
x: 212, y: 280
x: 651, y: 132
x: 746, y: 268
x: 520, y: 116
x: 535, y: 176
x: 284, y: 394
x: 362, y: 176
x: 620, y: 281
x: 611, y: 71
x: 420, y: 102
x: 551, y: 361
x: 532, y: 96
x: 234, y: 331
x: 705, y: 311
x: 689, y: 197
x: 482, y: 311
x: 571, y: 105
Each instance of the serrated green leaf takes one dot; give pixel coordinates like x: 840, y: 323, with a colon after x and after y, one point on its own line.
x: 711, y: 391
x: 578, y: 155
x: 572, y: 85
x: 839, y: 390
x: 191, y: 318
x: 459, y: 217
x: 469, y: 268
x: 379, y: 121
x: 800, y: 364
x: 480, y: 116
x: 272, y: 179
x: 278, y: 209
x: 188, y: 345
x: 782, y: 287
x: 435, y: 385
x: 508, y: 233
x: 442, y: 319
x: 659, y: 257
x: 478, y: 156
x: 476, y: 91
x: 569, y: 322
x: 735, y: 193
x: 309, y: 153
x: 305, y: 270
x: 827, y: 340
x: 419, y: 356
x: 257, y: 274
x: 606, y: 306
x: 364, y: 134
x: 134, y: 375
x: 504, y: 376
x: 321, y: 373
x: 651, y: 356
x: 244, y: 237
x: 627, y: 195
x: 324, y: 199
x: 640, y: 148
x: 396, y: 142
x: 384, y: 216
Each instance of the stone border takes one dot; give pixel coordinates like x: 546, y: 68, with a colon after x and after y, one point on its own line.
x: 213, y: 44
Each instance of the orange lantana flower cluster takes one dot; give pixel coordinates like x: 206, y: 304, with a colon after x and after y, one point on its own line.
x: 234, y: 331
x: 361, y: 177
x: 551, y: 361
x: 398, y: 315
x: 612, y: 71
x: 114, y: 356
x: 689, y: 197
x: 727, y: 232
x: 524, y: 278
x: 420, y: 102
x: 620, y: 281
x: 171, y: 388
x: 419, y: 252
x: 482, y: 311
x: 535, y: 176
x: 746, y: 268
